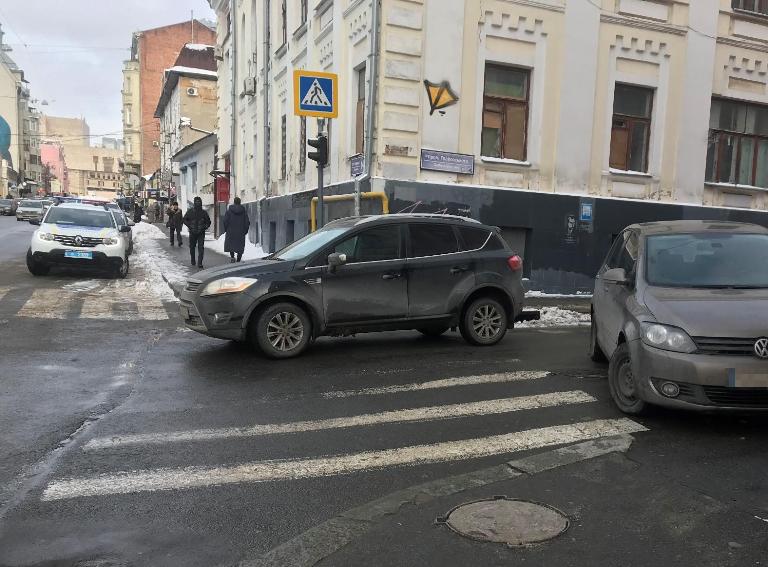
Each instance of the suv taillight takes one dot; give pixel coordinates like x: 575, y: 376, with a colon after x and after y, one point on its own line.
x: 515, y: 263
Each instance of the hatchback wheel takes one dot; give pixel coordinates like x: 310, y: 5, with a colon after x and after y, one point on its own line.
x: 595, y: 352
x: 283, y: 330
x: 622, y: 384
x: 484, y: 322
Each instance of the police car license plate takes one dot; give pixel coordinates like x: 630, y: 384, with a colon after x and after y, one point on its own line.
x: 78, y: 254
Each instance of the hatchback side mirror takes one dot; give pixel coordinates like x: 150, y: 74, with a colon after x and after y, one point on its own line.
x: 335, y: 260
x: 616, y: 276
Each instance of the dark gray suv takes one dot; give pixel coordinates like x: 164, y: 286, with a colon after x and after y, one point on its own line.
x: 424, y: 272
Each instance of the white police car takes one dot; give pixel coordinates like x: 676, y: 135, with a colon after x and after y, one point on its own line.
x: 78, y: 236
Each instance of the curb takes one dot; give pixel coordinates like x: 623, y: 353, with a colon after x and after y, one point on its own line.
x: 325, y: 539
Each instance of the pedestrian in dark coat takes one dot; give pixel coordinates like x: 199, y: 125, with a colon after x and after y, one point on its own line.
x: 197, y: 221
x: 138, y: 212
x: 236, y: 226
x: 175, y: 221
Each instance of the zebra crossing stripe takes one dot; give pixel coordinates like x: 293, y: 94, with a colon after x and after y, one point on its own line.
x: 47, y: 304
x: 445, y: 383
x: 3, y: 291
x: 486, y: 407
x: 129, y: 482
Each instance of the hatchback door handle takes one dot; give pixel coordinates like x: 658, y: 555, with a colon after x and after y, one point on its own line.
x: 392, y: 276
x: 459, y: 269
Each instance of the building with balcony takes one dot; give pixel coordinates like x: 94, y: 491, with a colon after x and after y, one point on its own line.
x: 560, y: 121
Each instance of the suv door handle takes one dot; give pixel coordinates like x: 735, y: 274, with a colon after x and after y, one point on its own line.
x: 392, y: 276
x: 459, y: 269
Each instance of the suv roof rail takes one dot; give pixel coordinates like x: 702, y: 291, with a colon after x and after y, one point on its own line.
x: 435, y: 216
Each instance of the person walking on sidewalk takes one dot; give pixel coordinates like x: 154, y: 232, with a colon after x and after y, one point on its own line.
x: 197, y: 221
x: 138, y: 212
x: 175, y: 222
x: 236, y: 225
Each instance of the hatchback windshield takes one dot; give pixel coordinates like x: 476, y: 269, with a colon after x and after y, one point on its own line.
x: 32, y: 204
x: 310, y: 244
x: 708, y: 260
x: 80, y: 217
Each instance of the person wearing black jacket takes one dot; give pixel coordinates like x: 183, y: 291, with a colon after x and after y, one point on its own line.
x: 175, y: 222
x: 138, y: 212
x: 197, y: 221
x: 236, y: 225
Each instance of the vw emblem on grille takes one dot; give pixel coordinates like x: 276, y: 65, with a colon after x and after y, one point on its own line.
x: 761, y: 348
x: 78, y: 240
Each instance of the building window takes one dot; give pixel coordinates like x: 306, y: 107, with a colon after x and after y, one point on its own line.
x: 631, y: 130
x: 304, y: 11
x: 505, y: 112
x: 284, y: 21
x: 360, y: 112
x: 128, y: 116
x: 303, y: 142
x: 738, y: 143
x: 283, y: 147
x: 758, y: 6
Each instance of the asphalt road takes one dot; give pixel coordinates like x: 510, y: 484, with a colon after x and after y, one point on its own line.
x: 127, y: 440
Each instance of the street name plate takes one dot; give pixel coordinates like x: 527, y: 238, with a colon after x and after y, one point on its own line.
x: 449, y: 162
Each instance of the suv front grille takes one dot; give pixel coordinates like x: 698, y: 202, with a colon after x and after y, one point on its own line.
x: 88, y: 242
x: 752, y: 397
x: 732, y: 347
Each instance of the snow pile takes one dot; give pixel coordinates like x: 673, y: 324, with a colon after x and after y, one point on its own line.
x: 556, y: 317
x: 580, y: 294
x: 252, y: 251
x: 157, y: 266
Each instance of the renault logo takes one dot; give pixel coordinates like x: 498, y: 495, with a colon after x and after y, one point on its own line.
x: 761, y: 348
x: 78, y: 240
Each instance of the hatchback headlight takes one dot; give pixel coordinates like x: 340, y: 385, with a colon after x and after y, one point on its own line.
x: 227, y: 285
x: 666, y: 337
x: 109, y: 240
x: 47, y: 236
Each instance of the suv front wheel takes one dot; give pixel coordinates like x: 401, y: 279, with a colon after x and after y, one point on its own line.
x: 484, y: 322
x: 282, y: 330
x: 34, y: 267
x: 121, y: 271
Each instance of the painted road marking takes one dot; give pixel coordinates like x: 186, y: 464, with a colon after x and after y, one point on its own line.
x: 445, y: 383
x: 129, y: 482
x: 150, y: 309
x: 487, y: 407
x: 47, y: 304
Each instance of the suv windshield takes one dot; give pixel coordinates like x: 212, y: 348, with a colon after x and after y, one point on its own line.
x: 310, y: 244
x: 80, y: 217
x: 708, y: 260
x: 32, y: 204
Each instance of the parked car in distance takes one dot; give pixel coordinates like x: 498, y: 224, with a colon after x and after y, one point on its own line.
x: 78, y: 236
x: 679, y: 309
x: 7, y: 207
x: 390, y: 272
x: 29, y: 209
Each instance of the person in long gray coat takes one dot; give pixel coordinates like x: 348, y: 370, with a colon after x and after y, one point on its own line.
x: 236, y: 225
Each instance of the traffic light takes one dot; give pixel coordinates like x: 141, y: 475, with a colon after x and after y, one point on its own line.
x: 321, y: 145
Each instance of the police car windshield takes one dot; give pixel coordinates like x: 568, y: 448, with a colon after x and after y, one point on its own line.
x: 80, y: 217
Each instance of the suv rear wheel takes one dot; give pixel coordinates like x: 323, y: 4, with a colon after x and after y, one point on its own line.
x: 282, y: 330
x: 35, y: 268
x: 484, y: 322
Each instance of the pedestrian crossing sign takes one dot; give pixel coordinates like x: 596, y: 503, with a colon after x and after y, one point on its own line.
x: 315, y: 94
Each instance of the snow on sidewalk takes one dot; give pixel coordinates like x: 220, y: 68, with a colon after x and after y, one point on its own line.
x: 159, y: 269
x: 252, y: 251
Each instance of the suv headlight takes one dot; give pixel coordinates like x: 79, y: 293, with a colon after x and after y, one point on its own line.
x: 227, y: 285
x: 109, y: 240
x: 666, y: 337
x: 47, y: 236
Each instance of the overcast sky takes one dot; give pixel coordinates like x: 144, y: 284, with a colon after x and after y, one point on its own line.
x: 72, y: 51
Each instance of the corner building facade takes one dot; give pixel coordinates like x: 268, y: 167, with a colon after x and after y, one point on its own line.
x: 573, y: 118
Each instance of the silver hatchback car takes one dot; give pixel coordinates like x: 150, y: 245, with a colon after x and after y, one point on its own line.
x: 680, y: 309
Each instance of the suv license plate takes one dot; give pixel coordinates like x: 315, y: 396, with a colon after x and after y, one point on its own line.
x: 78, y: 254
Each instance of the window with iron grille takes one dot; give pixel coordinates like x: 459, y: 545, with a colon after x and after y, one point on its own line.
x: 304, y: 10
x: 505, y: 112
x: 631, y: 130
x: 737, y: 151
x: 757, y: 6
x: 284, y: 21
x: 284, y: 147
x: 303, y: 142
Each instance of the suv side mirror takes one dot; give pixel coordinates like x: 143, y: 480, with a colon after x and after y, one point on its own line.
x: 335, y: 260
x: 125, y: 228
x: 131, y: 223
x: 35, y: 222
x: 616, y: 276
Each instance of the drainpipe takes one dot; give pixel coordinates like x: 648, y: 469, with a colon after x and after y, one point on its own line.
x: 233, y: 118
x: 267, y: 91
x: 373, y: 82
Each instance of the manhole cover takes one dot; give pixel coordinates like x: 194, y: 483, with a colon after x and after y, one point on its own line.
x: 513, y: 522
